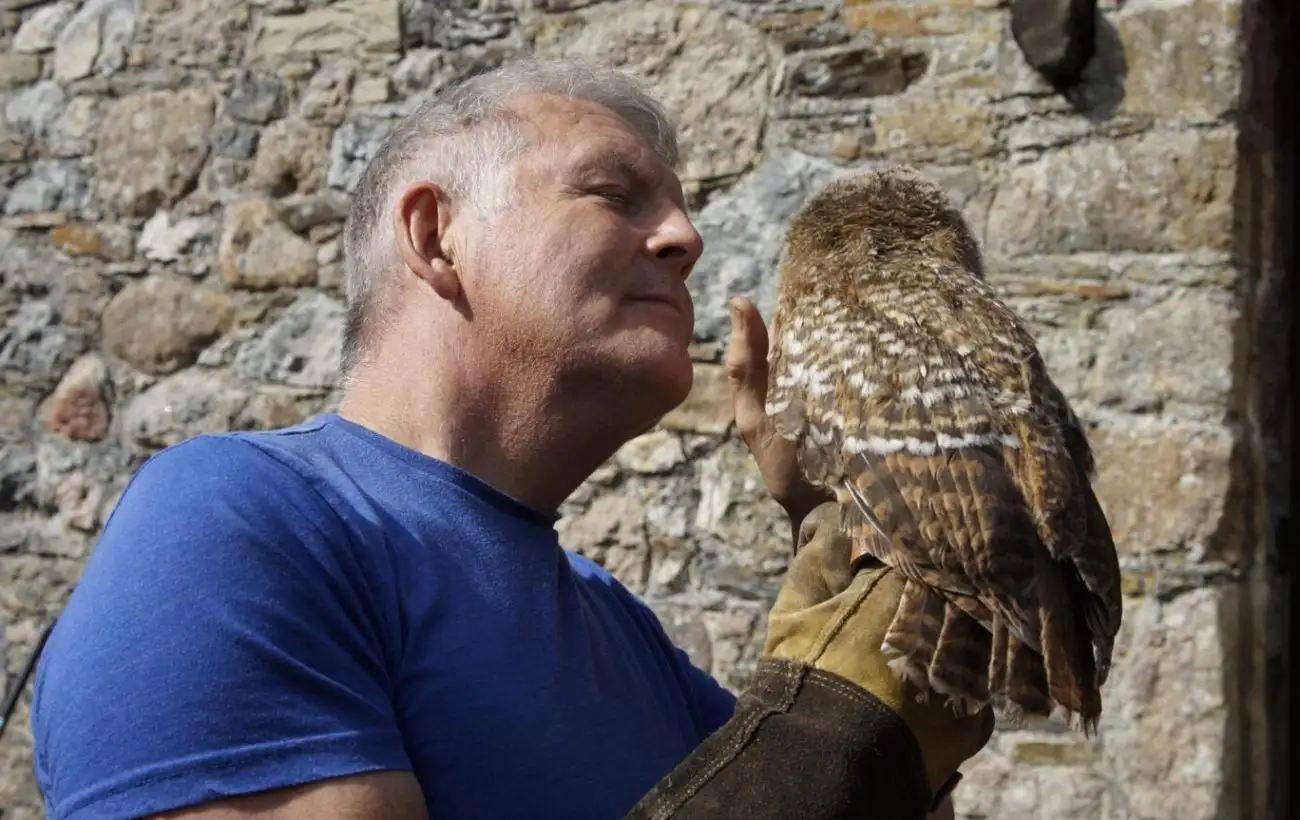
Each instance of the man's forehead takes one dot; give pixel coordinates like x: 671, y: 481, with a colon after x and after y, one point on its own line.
x: 591, y: 136
x: 553, y: 110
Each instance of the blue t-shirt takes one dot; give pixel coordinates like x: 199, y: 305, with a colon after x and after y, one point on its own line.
x: 266, y: 609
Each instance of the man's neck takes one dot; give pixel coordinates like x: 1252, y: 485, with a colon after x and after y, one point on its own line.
x: 525, y: 443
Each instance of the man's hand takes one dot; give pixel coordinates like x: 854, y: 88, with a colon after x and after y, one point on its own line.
x: 747, y: 371
x: 833, y: 619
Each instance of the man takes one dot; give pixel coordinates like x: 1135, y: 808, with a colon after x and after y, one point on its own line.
x: 368, y: 615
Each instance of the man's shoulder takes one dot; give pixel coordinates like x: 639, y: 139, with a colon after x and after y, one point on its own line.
x: 607, y: 586
x: 277, y: 478
x: 584, y: 567
x: 595, y: 576
x: 238, y: 461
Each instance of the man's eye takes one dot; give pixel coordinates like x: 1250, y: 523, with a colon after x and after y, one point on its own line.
x: 619, y: 197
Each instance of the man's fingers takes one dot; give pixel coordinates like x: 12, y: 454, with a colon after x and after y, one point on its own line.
x: 747, y: 366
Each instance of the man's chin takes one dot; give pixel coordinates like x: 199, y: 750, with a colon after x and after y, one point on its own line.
x: 664, y: 383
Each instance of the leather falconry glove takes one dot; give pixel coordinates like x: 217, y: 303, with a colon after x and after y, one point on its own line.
x: 832, y: 619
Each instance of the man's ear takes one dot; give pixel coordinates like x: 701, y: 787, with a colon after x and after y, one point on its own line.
x: 420, y: 222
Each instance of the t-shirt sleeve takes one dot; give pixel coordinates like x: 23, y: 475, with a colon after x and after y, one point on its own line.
x: 221, y: 641
x: 714, y: 702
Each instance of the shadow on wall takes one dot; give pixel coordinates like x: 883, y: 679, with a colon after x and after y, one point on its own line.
x: 1100, y: 90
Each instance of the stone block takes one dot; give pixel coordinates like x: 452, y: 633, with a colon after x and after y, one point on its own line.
x: 49, y: 185
x: 301, y: 349
x: 151, y: 148
x: 160, y: 324
x: 711, y: 70
x: 1163, y: 191
x: 899, y: 19
x: 1176, y: 350
x: 167, y: 239
x: 33, y: 111
x: 17, y: 70
x: 112, y: 243
x: 372, y: 91
x: 352, y: 145
x: 798, y: 30
x: 854, y: 71
x: 998, y: 784
x: 707, y: 409
x: 611, y: 519
x: 95, y: 40
x: 258, y: 252
x: 1184, y: 59
x: 37, y: 346
x: 841, y: 137
x: 40, y: 29
x: 658, y: 451
x: 1170, y: 487
x: 79, y: 407
x: 234, y: 140
x: 73, y: 133
x: 933, y: 127
x: 348, y: 26
x: 1172, y: 706
x: 183, y: 405
x: 256, y: 98
x: 193, y: 33
x: 328, y: 92
x: 970, y: 60
x: 13, y: 148
x: 291, y: 158
x: 305, y: 212
x: 438, y: 24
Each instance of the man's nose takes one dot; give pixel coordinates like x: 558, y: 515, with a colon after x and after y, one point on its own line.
x: 677, y: 242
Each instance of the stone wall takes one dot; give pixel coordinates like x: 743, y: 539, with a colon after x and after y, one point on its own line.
x: 173, y: 177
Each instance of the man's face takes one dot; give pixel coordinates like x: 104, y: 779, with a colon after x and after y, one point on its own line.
x: 584, y: 274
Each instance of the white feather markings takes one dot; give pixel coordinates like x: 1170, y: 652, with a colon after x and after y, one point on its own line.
x: 793, y: 344
x: 934, y: 395
x: 878, y: 445
x: 819, y: 438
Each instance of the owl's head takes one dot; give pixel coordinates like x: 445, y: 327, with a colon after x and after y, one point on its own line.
x: 878, y: 217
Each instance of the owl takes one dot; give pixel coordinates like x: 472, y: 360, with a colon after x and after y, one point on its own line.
x: 918, y: 398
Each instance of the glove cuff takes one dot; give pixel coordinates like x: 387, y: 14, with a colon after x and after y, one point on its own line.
x: 802, y: 743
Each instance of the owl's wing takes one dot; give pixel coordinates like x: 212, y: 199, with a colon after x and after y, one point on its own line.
x: 1055, y: 472
x: 1093, y: 553
x: 919, y: 402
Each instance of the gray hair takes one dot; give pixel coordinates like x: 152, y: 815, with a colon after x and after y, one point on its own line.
x: 463, y: 140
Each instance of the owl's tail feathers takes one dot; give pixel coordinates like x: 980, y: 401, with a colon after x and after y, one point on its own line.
x: 1066, y: 644
x: 1020, y: 680
x: 1059, y: 679
x: 960, y: 666
x: 940, y: 649
x: 913, y: 635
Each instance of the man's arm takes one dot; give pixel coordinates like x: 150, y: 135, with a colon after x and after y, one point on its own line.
x: 221, y: 642
x: 386, y: 795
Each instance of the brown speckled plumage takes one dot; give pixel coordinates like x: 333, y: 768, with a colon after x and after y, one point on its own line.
x: 918, y: 396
